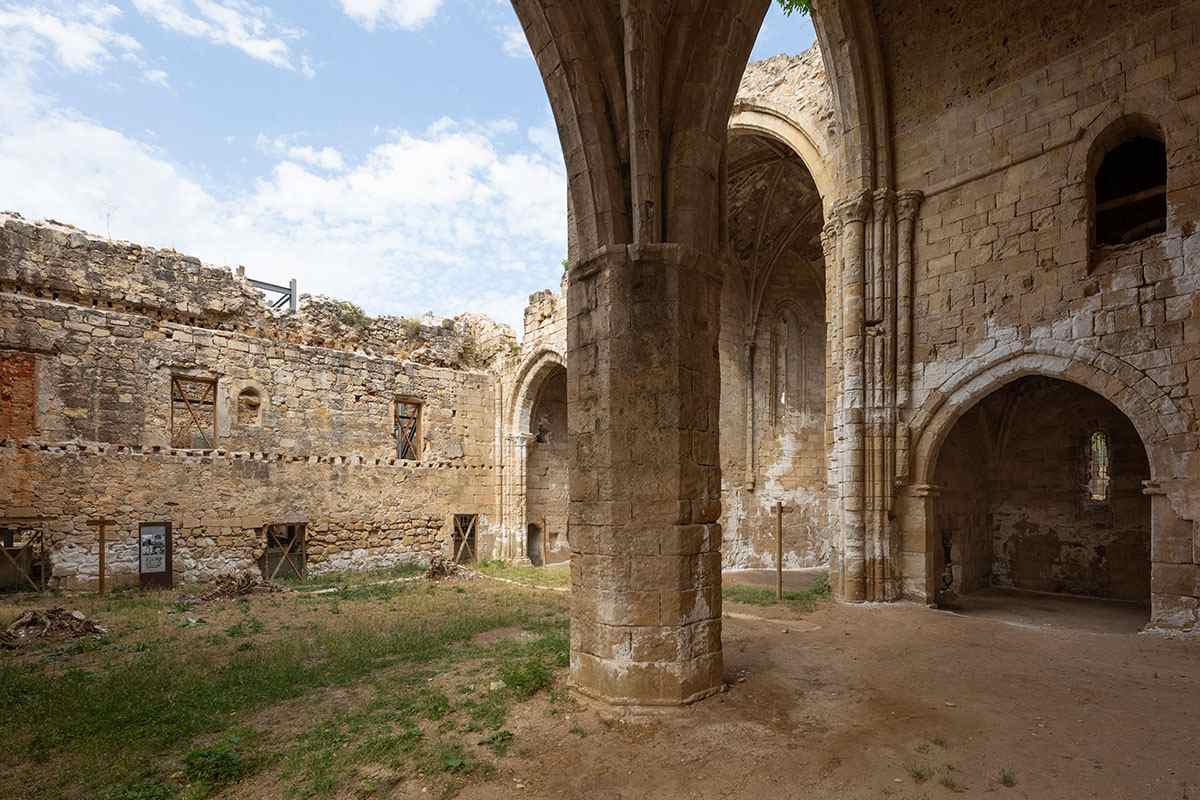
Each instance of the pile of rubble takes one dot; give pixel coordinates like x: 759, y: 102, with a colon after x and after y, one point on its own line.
x: 55, y: 622
x: 229, y: 587
x: 441, y: 567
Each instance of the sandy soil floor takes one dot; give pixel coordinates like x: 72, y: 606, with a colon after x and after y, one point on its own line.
x: 894, y: 702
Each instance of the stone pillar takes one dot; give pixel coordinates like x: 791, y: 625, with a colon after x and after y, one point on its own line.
x: 1174, y: 567
x: 643, y: 388
x: 751, y: 466
x: 853, y: 214
x: 519, y: 530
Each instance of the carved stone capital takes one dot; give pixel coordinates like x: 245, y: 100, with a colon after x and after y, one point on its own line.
x: 908, y: 203
x: 885, y: 200
x: 855, y: 209
x: 829, y: 236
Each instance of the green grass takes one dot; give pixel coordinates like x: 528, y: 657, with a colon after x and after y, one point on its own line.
x: 414, y: 729
x: 558, y: 577
x: 126, y: 721
x: 1008, y: 778
x: 761, y: 596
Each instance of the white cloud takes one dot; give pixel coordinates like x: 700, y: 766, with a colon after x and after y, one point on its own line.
x: 79, y: 34
x: 514, y: 43
x: 406, y: 14
x: 231, y: 23
x: 326, y: 158
x: 456, y: 217
x: 157, y: 76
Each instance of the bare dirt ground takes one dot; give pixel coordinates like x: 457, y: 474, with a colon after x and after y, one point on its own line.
x: 893, y: 702
x: 1018, y: 695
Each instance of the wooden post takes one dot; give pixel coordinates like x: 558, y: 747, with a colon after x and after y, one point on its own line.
x: 103, y: 558
x: 101, y: 524
x: 779, y: 550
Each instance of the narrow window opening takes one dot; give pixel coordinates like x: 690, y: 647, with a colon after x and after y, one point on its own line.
x: 1099, y: 484
x: 408, y: 430
x: 249, y: 408
x: 193, y: 412
x: 1131, y: 192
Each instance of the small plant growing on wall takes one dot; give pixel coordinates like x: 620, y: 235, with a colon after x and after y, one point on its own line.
x: 351, y: 315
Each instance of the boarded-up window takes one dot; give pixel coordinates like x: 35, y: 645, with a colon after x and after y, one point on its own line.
x: 462, y: 543
x: 193, y: 412
x: 408, y: 430
x: 18, y: 395
x: 286, y: 553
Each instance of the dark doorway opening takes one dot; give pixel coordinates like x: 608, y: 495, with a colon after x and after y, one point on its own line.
x: 1040, y: 492
x: 533, y: 546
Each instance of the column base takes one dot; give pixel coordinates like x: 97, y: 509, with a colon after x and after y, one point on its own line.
x: 634, y: 685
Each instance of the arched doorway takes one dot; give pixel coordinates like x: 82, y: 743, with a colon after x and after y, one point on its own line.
x: 775, y: 429
x: 1038, y: 489
x: 547, y: 482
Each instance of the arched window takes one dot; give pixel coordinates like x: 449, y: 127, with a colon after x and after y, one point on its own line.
x: 789, y: 381
x: 249, y: 408
x: 1131, y: 191
x: 1099, y: 485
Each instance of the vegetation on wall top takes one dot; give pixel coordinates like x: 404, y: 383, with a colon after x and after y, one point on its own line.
x: 789, y: 6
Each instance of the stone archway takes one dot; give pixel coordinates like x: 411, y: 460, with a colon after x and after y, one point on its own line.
x: 1040, y: 490
x: 1153, y: 415
x: 519, y: 435
x: 642, y: 96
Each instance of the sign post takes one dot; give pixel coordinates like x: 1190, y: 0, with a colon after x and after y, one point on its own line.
x: 154, y: 555
x: 779, y: 551
x: 101, y: 525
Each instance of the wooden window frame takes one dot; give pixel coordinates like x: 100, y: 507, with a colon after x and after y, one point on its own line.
x: 209, y: 436
x: 408, y: 438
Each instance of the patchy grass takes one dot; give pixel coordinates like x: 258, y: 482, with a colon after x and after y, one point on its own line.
x: 762, y: 596
x: 1008, y: 778
x: 557, y: 577
x: 157, y: 711
x: 920, y: 773
x: 948, y: 781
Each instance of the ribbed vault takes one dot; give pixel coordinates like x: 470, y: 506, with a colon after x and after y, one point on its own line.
x: 775, y: 217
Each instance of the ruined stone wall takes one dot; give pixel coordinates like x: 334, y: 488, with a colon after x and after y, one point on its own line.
x: 94, y: 334
x: 55, y: 261
x: 546, y: 321
x: 359, y: 513
x: 105, y: 376
x: 534, y: 484
x: 1001, y: 114
x: 773, y: 442
x: 789, y: 433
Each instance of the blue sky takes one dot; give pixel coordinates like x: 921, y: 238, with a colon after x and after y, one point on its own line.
x: 397, y: 153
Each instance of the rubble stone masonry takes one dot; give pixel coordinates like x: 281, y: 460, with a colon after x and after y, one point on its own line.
x: 92, y: 335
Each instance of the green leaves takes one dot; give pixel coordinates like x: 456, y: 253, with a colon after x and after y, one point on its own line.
x: 791, y: 6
